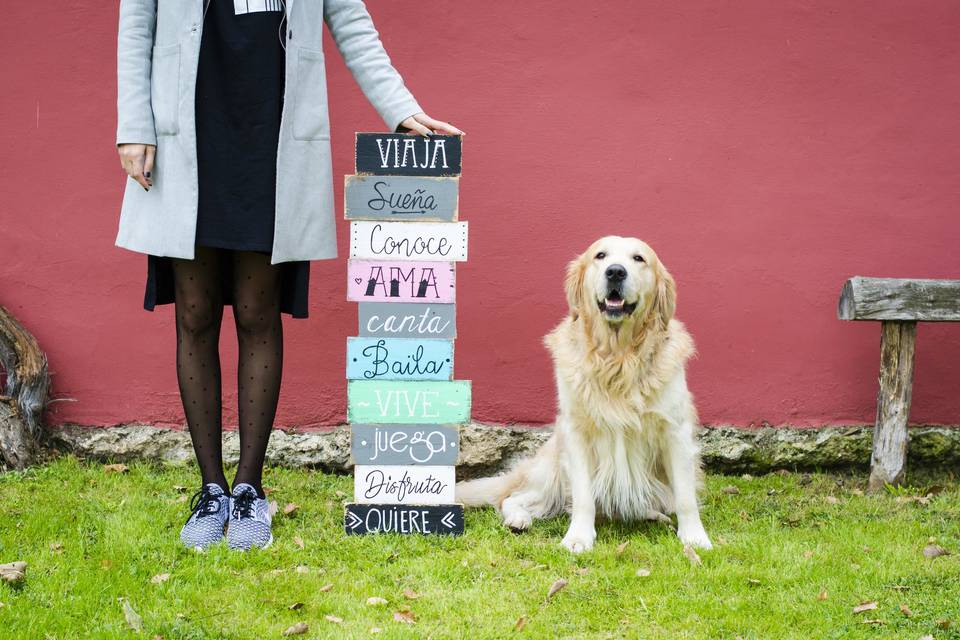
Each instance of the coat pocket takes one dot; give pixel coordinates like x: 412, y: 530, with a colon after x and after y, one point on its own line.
x: 311, y: 120
x: 165, y: 89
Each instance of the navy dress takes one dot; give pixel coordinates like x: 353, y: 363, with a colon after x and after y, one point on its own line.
x: 239, y: 100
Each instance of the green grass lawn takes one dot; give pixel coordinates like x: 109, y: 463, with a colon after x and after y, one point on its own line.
x: 794, y: 554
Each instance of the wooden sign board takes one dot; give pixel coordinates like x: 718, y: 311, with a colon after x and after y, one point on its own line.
x: 400, y: 198
x: 403, y: 485
x: 404, y: 320
x: 431, y: 444
x: 401, y: 281
x: 399, y: 359
x: 442, y: 519
x: 408, y: 402
x: 399, y: 154
x: 439, y: 241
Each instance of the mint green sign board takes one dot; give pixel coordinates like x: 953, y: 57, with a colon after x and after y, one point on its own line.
x: 408, y: 402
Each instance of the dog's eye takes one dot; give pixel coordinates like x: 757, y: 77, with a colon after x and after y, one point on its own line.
x: 638, y: 258
x: 600, y: 256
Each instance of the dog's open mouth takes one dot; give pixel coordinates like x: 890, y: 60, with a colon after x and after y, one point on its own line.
x: 614, y: 306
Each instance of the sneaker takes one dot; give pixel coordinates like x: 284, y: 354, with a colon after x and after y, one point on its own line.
x: 249, y: 519
x: 210, y: 510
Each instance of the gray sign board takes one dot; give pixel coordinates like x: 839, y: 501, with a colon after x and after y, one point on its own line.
x: 400, y: 198
x: 407, y: 320
x: 403, y: 444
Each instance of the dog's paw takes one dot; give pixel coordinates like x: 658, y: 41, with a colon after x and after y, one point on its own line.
x: 655, y: 516
x: 579, y: 541
x: 695, y: 538
x: 515, y: 517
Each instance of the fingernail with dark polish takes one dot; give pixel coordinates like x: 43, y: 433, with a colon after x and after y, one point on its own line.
x: 146, y: 174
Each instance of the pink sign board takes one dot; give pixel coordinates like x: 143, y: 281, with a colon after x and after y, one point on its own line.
x: 400, y: 281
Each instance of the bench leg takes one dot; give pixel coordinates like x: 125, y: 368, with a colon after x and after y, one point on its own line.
x: 889, y: 459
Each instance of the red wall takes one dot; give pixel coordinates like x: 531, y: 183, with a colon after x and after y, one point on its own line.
x: 767, y: 150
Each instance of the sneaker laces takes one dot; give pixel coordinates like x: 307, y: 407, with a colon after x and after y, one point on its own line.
x: 243, y: 504
x: 204, y: 503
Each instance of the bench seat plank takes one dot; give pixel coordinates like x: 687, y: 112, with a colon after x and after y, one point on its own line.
x: 900, y: 299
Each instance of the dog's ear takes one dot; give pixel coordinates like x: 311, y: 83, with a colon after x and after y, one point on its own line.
x: 665, y: 298
x: 576, y: 271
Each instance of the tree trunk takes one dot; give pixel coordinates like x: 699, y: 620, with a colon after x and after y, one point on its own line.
x: 25, y: 394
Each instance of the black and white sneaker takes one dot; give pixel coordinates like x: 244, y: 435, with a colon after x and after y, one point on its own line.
x: 210, y: 510
x: 249, y: 519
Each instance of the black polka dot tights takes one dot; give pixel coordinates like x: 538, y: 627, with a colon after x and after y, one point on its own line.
x: 199, y: 311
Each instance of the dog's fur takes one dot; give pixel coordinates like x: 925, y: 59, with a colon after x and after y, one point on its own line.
x: 624, y: 441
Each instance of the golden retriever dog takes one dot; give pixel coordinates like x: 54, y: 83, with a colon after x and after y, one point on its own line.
x: 624, y: 441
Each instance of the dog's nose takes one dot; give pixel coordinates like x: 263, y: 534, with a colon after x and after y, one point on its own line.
x: 616, y: 273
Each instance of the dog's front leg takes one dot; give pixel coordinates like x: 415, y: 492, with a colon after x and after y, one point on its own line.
x: 581, y: 534
x: 682, y: 472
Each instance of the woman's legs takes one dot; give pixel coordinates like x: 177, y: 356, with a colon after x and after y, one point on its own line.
x: 256, y: 309
x: 199, y: 311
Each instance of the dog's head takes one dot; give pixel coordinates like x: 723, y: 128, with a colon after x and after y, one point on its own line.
x: 620, y: 280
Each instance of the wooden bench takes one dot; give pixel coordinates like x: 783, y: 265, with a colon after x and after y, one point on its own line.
x: 898, y: 304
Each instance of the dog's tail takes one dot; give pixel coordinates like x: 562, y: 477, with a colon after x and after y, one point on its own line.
x: 489, y: 491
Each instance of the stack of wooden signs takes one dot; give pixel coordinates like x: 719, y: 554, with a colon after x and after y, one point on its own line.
x: 403, y: 404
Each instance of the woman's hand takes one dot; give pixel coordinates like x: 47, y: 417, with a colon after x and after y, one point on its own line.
x: 137, y: 161
x: 426, y: 126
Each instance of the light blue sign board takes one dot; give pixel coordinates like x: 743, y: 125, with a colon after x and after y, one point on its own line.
x: 403, y: 444
x: 399, y: 359
x: 408, y: 402
x: 407, y: 320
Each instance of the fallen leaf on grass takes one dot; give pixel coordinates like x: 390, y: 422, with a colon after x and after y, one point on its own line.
x: 134, y: 621
x: 520, y: 623
x: 556, y: 587
x: 622, y: 547
x: 944, y: 623
x: 298, y: 629
x: 297, y: 540
x: 807, y: 554
x: 116, y: 468
x: 410, y: 594
x: 932, y: 551
x: 692, y: 555
x: 13, y: 572
x: 406, y: 617
x: 290, y: 509
x: 182, y: 498
x: 582, y: 571
x: 643, y: 573
x: 831, y: 500
x: 865, y: 606
x: 179, y: 488
x: 272, y: 508
x: 333, y: 619
x: 375, y: 601
x: 753, y: 582
x: 339, y: 494
x: 872, y: 621
x: 822, y: 595
x: 160, y: 577
x: 295, y: 606
x: 325, y: 588
x: 56, y: 546
x: 731, y: 490
x: 905, y: 610
x: 302, y: 568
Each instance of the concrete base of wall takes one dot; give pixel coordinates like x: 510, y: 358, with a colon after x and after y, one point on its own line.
x: 487, y: 448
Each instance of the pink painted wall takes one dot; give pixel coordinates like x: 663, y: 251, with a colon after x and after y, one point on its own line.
x: 767, y: 150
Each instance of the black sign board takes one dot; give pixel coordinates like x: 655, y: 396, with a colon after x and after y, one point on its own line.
x: 440, y: 519
x: 398, y: 154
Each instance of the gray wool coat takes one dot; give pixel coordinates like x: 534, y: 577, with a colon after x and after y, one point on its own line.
x: 157, y: 54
